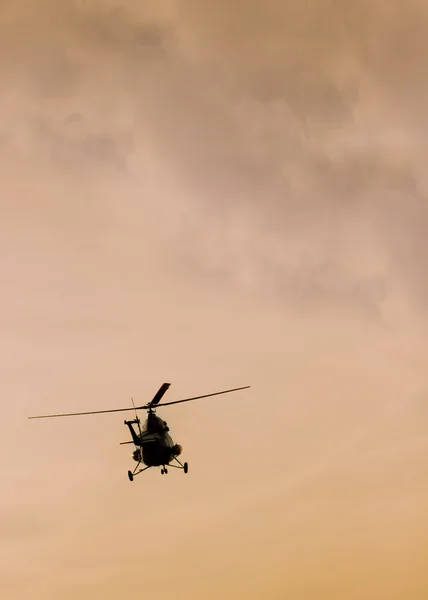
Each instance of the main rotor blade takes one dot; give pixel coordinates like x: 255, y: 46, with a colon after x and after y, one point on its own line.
x: 204, y: 396
x: 161, y: 391
x: 92, y: 412
x: 146, y: 406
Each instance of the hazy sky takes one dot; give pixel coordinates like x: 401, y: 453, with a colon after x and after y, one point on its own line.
x: 215, y: 195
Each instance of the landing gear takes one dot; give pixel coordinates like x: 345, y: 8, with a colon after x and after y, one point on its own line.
x: 131, y: 474
x: 185, y: 467
x: 164, y: 470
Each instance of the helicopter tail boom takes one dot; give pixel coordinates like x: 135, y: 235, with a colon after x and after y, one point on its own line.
x: 135, y: 438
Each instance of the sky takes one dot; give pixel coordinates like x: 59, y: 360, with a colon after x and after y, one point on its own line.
x: 215, y: 195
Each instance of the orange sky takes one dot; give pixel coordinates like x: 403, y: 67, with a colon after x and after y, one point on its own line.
x: 215, y: 196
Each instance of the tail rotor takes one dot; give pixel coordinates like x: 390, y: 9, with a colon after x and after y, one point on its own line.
x: 137, y: 420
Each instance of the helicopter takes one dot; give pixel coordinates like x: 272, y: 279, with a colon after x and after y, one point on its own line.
x: 154, y: 446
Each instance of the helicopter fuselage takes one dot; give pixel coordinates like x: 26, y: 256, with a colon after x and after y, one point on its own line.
x: 154, y: 446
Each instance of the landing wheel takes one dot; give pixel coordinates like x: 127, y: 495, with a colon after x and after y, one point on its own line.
x: 130, y: 475
x: 186, y: 467
x: 162, y: 471
x: 165, y: 471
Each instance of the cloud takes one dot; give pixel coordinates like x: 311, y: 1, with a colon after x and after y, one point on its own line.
x: 285, y: 128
